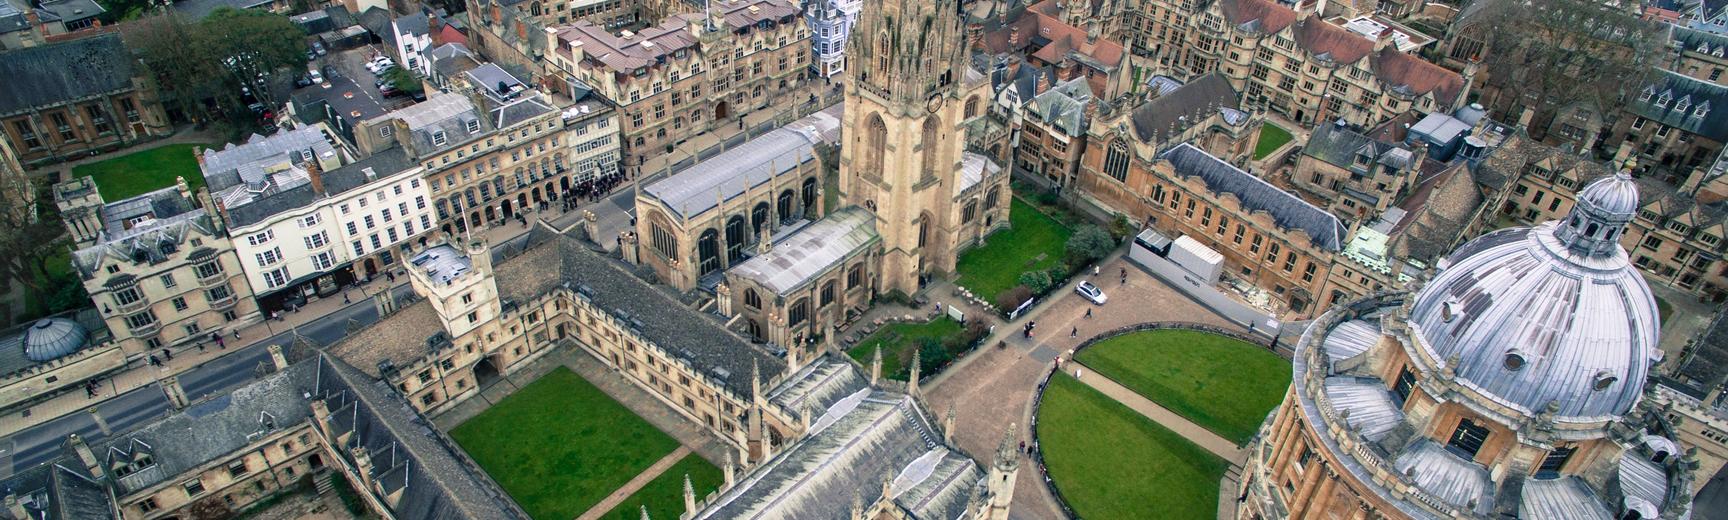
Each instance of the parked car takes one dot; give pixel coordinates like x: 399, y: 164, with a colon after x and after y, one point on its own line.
x: 380, y: 64
x: 388, y: 91
x: 1091, y: 293
x: 316, y: 77
x: 318, y: 47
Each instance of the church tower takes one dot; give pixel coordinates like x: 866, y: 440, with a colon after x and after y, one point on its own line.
x: 908, y: 90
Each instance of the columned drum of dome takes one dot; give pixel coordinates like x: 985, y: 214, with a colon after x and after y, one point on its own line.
x: 1509, y: 385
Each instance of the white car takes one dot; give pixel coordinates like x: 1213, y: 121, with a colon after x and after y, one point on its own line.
x: 381, y: 64
x: 1091, y: 293
x: 316, y: 77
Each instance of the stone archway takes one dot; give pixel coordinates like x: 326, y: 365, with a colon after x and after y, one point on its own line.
x: 722, y: 110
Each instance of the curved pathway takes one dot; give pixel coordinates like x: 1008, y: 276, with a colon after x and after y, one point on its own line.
x: 994, y: 387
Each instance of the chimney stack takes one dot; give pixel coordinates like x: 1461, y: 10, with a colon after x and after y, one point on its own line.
x: 1384, y: 40
x: 1013, y: 36
x: 316, y: 173
x: 276, y: 357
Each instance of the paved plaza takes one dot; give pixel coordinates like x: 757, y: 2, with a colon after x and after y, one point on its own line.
x: 994, y: 387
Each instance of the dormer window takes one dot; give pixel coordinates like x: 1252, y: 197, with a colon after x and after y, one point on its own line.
x: 1663, y: 99
x: 1514, y: 360
x: 438, y: 138
x: 1683, y: 104
x: 385, y: 131
x: 1645, y: 95
x: 306, y: 155
x: 1702, y: 108
x: 473, y: 126
x: 1703, y: 48
x: 1604, y: 380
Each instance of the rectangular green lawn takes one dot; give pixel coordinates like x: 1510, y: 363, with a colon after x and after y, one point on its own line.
x: 144, y: 171
x: 1222, y: 384
x: 897, y: 339
x: 1034, y: 241
x: 1271, y: 138
x: 1110, y: 462
x: 664, y: 495
x: 559, y: 445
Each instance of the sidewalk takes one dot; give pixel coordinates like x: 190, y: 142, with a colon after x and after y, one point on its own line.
x: 139, y: 373
x: 635, y: 484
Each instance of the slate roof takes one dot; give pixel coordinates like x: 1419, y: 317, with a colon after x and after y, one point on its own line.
x: 396, y: 341
x: 415, y: 24
x: 1182, y: 108
x: 449, y: 114
x: 61, y: 490
x: 548, y: 260
x: 213, y: 429
x: 1288, y: 211
x: 694, y: 190
x: 1064, y: 106
x: 408, y: 455
x: 1340, y: 146
x: 1685, y: 103
x: 350, y: 176
x: 245, y: 163
x: 811, y: 251
x: 56, y: 73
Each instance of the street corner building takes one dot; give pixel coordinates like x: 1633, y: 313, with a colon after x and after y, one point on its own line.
x: 1509, y: 385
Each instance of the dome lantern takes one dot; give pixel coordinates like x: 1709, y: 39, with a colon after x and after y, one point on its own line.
x: 1604, y: 208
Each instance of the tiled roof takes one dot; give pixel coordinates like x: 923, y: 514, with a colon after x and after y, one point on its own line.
x: 55, y: 73
x: 1288, y: 211
x: 645, y: 48
x: 1264, y: 16
x: 1412, y: 75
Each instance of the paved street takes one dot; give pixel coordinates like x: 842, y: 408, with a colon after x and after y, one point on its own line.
x: 137, y: 406
x: 994, y: 387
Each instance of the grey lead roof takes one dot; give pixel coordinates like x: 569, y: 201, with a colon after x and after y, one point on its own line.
x: 811, y: 251
x: 1064, y: 106
x: 56, y: 73
x: 1564, y: 498
x: 861, y: 441
x: 61, y: 490
x: 1441, y: 473
x: 1575, y: 320
x: 700, y: 187
x: 1288, y: 211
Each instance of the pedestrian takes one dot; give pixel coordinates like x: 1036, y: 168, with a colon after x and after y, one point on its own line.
x: 200, y: 346
x: 167, y: 354
x: 1124, y: 273
x: 345, y: 298
x: 938, y: 307
x: 1074, y: 333
x: 1094, y: 270
x: 1088, y: 313
x: 1124, y: 279
x: 154, y: 361
x: 236, y: 337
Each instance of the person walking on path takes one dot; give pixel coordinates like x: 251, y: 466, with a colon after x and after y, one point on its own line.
x: 1088, y: 313
x: 167, y: 355
x: 1074, y: 333
x: 154, y: 361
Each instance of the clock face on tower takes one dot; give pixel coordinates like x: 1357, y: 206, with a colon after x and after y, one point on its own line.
x: 934, y: 104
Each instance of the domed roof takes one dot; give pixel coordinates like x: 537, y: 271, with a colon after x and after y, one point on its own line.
x: 1533, y: 320
x: 1615, y: 194
x: 51, y: 338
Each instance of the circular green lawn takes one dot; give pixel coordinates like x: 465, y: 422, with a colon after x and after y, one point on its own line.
x: 1223, y: 384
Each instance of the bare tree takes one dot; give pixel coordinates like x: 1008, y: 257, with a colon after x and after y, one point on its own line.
x: 1546, y: 55
x: 30, y: 234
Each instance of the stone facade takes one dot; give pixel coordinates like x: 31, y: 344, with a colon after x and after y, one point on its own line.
x: 687, y: 74
x: 97, y: 101
x: 903, y: 152
x: 1290, y: 61
x: 161, y: 272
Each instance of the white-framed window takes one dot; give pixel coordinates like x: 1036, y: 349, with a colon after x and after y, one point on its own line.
x: 438, y: 138
x: 317, y: 240
x: 386, y: 131
x: 261, y: 238
x: 276, y: 277
x: 309, y: 220
x: 344, y: 208
x: 359, y: 248
x: 473, y: 126
x: 323, y: 261
x: 269, y: 257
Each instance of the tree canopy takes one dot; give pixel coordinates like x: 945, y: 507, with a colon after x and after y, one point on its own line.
x: 1557, y: 53
x: 203, y: 66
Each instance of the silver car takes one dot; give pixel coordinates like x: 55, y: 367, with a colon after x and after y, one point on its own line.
x: 1091, y: 293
